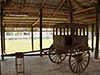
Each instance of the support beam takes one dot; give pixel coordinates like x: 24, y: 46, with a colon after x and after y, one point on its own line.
x: 97, y: 33
x: 58, y: 7
x: 2, y: 48
x: 73, y: 1
x: 42, y: 6
x: 92, y: 38
x: 69, y: 6
x: 82, y: 4
x: 83, y: 10
x: 3, y: 5
x: 4, y: 39
x: 36, y: 22
x: 22, y: 4
x: 95, y: 1
x: 32, y: 38
x: 41, y: 32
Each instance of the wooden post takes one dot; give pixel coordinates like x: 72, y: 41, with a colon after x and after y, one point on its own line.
x: 92, y: 38
x: 4, y: 38
x: 80, y: 31
x: 76, y: 31
x: 60, y: 31
x: 2, y: 48
x: 32, y: 38
x: 40, y: 32
x: 97, y: 33
x: 56, y: 31
x: 83, y: 31
x: 67, y: 31
x: 64, y: 31
x: 53, y: 34
x: 71, y: 21
x: 87, y: 35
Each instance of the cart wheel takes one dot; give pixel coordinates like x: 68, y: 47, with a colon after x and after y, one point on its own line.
x: 79, y: 59
x: 56, y: 58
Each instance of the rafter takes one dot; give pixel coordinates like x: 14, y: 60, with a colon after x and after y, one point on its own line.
x: 6, y: 3
x: 83, y: 10
x: 95, y: 1
x: 83, y: 4
x: 42, y: 6
x: 36, y: 22
x: 69, y: 6
x: 58, y: 7
x: 22, y: 4
x: 73, y: 1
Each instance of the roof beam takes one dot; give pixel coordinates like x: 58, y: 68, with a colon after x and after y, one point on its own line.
x: 95, y: 1
x: 6, y: 3
x: 58, y: 7
x: 73, y: 1
x: 69, y: 6
x: 22, y: 4
x: 36, y: 22
x: 42, y: 6
x: 83, y: 4
x: 83, y: 10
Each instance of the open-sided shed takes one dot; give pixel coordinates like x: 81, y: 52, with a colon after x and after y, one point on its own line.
x: 45, y: 13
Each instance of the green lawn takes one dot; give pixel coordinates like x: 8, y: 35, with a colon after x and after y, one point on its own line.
x: 23, y: 45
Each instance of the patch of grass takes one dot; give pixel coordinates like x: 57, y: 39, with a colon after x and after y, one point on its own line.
x: 24, y: 45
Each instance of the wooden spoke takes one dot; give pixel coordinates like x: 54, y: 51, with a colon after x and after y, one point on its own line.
x: 82, y: 57
x: 74, y: 63
x: 55, y: 57
x: 73, y: 60
x: 81, y: 66
x: 85, y: 60
x: 83, y: 63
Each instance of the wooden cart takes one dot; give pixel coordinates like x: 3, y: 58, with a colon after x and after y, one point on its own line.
x: 70, y: 39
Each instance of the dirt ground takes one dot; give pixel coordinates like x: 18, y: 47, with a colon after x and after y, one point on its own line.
x: 43, y: 66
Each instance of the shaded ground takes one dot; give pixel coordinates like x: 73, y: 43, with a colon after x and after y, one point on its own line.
x: 43, y: 66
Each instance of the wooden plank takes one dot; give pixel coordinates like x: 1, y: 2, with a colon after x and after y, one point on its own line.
x: 43, y: 4
x: 83, y: 10
x: 22, y: 4
x: 58, y: 7
x: 73, y: 1
x: 69, y: 6
x: 36, y: 22
x: 83, y: 31
x: 83, y: 4
x: 6, y: 3
x: 32, y: 38
x: 60, y: 31
x: 41, y: 32
x: 76, y: 31
x: 97, y: 33
x: 56, y: 31
x: 92, y: 38
x: 4, y: 39
x: 2, y: 48
x: 64, y: 31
